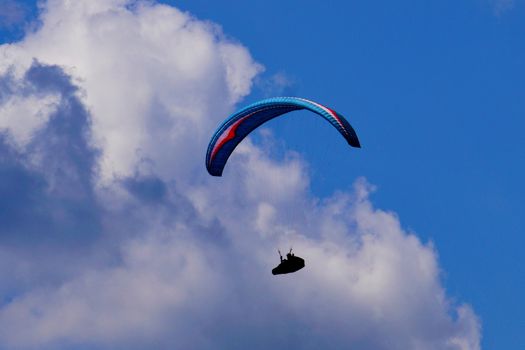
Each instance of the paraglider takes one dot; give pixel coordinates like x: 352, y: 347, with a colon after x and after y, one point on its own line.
x: 236, y: 127
x: 291, y: 264
x: 241, y: 123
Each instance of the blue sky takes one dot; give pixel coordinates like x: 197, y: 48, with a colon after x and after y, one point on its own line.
x: 435, y: 91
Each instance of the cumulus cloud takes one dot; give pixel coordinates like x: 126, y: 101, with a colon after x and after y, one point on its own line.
x: 115, y: 237
x: 140, y: 65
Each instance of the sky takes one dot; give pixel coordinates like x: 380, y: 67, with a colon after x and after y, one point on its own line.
x: 113, y: 235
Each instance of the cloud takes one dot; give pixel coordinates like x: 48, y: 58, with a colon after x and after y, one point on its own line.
x: 46, y: 162
x: 142, y: 65
x: 278, y: 84
x: 115, y: 237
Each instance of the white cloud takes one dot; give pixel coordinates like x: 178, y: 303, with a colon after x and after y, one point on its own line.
x: 180, y: 259
x: 23, y: 115
x: 373, y: 285
x: 157, y: 278
x: 154, y: 77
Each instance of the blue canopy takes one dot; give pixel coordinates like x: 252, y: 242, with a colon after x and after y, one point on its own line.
x: 237, y: 126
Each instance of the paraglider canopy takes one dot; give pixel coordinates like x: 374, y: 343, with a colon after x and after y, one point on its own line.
x: 237, y: 126
x: 291, y: 264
